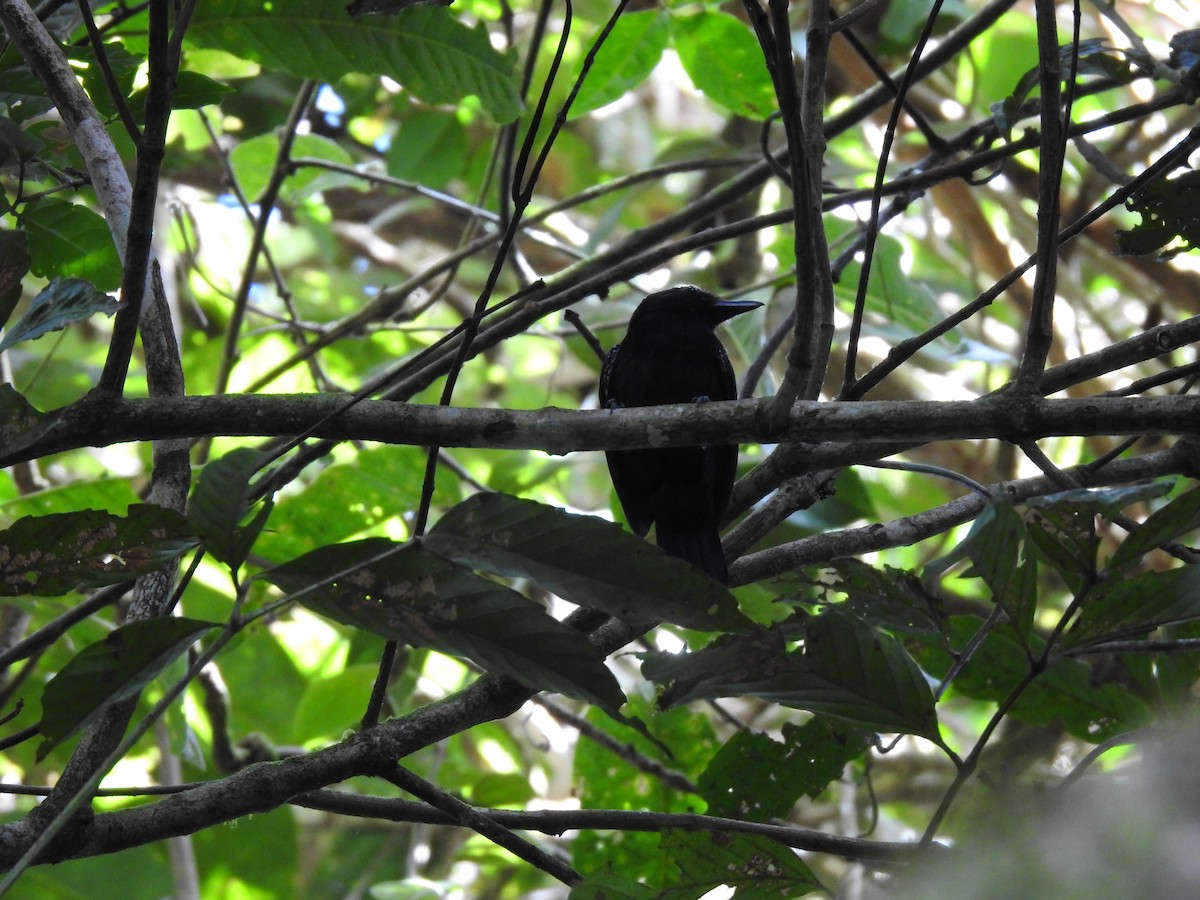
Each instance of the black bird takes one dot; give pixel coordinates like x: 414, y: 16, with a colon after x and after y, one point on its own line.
x: 671, y: 355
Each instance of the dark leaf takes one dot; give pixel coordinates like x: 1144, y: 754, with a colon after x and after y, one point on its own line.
x: 1125, y: 607
x: 996, y: 547
x: 848, y: 672
x: 17, y: 145
x: 404, y: 592
x: 758, y: 778
x: 21, y: 92
x: 1067, y: 540
x: 1066, y: 690
x: 63, y: 301
x: 1174, y: 520
x: 358, y: 8
x: 1095, y: 57
x: 109, y: 671
x: 887, y: 598
x: 20, y: 423
x: 192, y: 91
x: 862, y: 677
x: 121, y: 63
x: 719, y: 670
x: 583, y: 559
x: 1102, y: 501
x: 755, y: 866
x: 605, y: 884
x: 221, y: 501
x: 48, y: 556
x: 1170, y: 211
x: 14, y: 263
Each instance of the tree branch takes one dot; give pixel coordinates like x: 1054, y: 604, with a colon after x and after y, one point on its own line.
x: 101, y: 422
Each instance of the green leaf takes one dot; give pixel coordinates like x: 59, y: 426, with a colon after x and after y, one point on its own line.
x: 848, y: 672
x: 350, y: 499
x: 121, y: 63
x: 573, y: 556
x: 497, y: 789
x: 1067, y: 540
x: 404, y: 592
x: 70, y: 240
x: 1122, y: 608
x: 862, y: 677
x: 894, y: 294
x: 63, y: 301
x: 21, y: 92
x: 1006, y: 565
x: 221, y: 501
x: 758, y: 778
x: 625, y: 59
x: 17, y: 145
x: 1167, y: 207
x: 937, y: 567
x: 431, y: 147
x: 607, y: 776
x: 426, y: 50
x: 723, y: 59
x: 1103, y: 501
x: 254, y: 160
x: 334, y: 704
x: 114, y: 495
x: 192, y: 91
x: 49, y: 556
x: 606, y: 884
x: 887, y: 598
x: 722, y: 668
x: 109, y: 671
x: 1066, y: 690
x: 755, y: 866
x: 383, y: 7
x: 1174, y: 520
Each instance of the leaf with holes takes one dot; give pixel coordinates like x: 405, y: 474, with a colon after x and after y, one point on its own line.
x: 48, y: 556
x: 755, y: 866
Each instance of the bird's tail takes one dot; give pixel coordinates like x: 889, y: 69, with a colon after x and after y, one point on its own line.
x: 700, y: 548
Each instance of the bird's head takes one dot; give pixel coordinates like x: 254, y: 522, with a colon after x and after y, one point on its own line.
x: 689, y: 300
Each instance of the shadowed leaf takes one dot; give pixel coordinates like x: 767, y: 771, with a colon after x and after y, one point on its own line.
x: 404, y: 592
x: 573, y: 556
x: 109, y: 671
x: 48, y: 556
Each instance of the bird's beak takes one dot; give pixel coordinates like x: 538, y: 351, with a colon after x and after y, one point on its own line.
x: 723, y: 310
